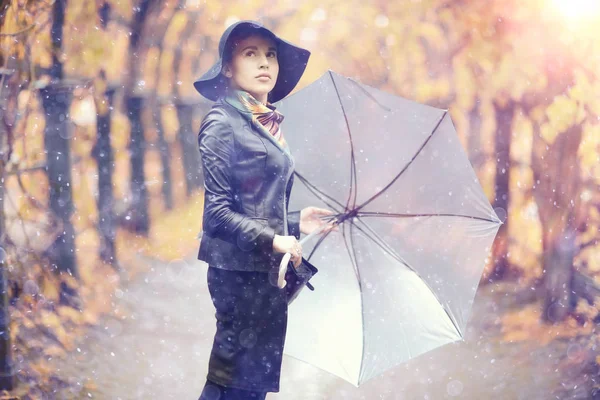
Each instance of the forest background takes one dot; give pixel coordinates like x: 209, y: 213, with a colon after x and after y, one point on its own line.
x: 99, y: 156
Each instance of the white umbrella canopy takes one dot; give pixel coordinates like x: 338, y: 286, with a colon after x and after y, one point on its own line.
x: 399, y: 277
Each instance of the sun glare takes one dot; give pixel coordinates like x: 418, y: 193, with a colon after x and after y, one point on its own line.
x: 578, y: 9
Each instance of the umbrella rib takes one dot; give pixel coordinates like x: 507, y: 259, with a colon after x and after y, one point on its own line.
x: 409, y: 163
x: 321, y: 239
x: 396, y: 215
x: 353, y: 178
x: 379, y: 241
x: 383, y: 244
x: 352, y: 256
x: 402, y: 260
x: 317, y: 192
x: 394, y: 254
x: 362, y: 309
x: 375, y: 238
x: 369, y: 95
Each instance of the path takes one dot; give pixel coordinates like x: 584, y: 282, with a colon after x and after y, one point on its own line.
x: 161, y: 352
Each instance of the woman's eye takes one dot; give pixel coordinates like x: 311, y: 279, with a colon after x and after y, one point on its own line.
x: 269, y: 54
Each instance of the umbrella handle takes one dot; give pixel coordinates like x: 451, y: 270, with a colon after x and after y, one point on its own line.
x: 282, y: 270
x: 286, y: 259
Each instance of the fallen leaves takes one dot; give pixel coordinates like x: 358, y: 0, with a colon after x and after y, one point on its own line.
x: 526, y: 324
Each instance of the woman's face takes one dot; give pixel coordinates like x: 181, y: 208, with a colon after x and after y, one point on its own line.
x: 252, y: 57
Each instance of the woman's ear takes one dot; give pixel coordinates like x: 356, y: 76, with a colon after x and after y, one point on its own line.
x: 226, y: 71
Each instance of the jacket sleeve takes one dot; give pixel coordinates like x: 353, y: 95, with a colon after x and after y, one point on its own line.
x: 294, y: 223
x: 215, y: 141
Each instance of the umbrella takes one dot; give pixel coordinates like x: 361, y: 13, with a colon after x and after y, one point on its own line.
x: 399, y: 277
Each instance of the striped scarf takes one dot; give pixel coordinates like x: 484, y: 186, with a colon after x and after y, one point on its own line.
x: 264, y: 117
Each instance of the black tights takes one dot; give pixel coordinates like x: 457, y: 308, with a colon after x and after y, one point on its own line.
x: 213, y: 391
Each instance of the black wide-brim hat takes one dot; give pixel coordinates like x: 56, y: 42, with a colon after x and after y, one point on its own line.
x: 292, y: 63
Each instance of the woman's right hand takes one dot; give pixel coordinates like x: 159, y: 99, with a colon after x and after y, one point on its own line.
x: 288, y: 244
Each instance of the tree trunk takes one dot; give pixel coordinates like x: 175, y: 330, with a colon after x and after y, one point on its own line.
x: 504, y: 118
x: 7, y: 373
x: 559, y: 252
x: 189, y: 151
x: 558, y: 184
x: 476, y: 154
x: 156, y: 104
x: 58, y: 20
x: 165, y: 158
x: 137, y: 216
x: 138, y: 207
x: 185, y: 110
x: 56, y: 99
x: 103, y: 154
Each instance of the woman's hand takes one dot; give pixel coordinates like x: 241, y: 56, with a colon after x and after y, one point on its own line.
x: 288, y: 244
x: 310, y: 220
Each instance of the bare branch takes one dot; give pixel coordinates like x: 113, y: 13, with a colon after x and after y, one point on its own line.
x: 593, y: 242
x: 585, y: 287
x: 17, y: 33
x: 34, y: 168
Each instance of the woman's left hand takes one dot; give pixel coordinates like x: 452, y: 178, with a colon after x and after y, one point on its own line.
x: 310, y: 219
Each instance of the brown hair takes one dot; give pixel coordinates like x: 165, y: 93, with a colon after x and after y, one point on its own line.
x: 242, y: 32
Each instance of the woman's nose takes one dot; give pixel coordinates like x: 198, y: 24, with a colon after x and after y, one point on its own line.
x: 263, y: 61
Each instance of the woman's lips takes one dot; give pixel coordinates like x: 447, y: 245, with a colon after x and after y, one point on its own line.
x: 265, y: 78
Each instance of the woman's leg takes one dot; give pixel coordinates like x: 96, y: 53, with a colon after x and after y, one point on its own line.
x: 213, y: 391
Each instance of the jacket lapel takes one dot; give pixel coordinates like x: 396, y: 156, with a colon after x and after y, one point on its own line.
x: 257, y: 126
x: 263, y: 132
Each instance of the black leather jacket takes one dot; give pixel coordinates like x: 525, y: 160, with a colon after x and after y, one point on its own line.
x: 247, y: 182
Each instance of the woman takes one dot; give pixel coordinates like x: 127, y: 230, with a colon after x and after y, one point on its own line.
x: 248, y: 173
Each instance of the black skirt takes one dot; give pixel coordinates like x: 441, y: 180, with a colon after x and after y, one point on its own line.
x: 251, y: 323
x: 251, y: 313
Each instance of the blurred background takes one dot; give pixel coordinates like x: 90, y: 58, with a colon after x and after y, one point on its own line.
x: 102, y: 190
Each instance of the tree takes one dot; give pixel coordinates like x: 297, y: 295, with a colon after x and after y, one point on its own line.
x: 138, y: 209
x: 56, y: 99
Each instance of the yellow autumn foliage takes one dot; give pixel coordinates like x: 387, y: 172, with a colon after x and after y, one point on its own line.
x: 469, y: 58
x: 525, y: 324
x: 562, y: 113
x: 589, y: 150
